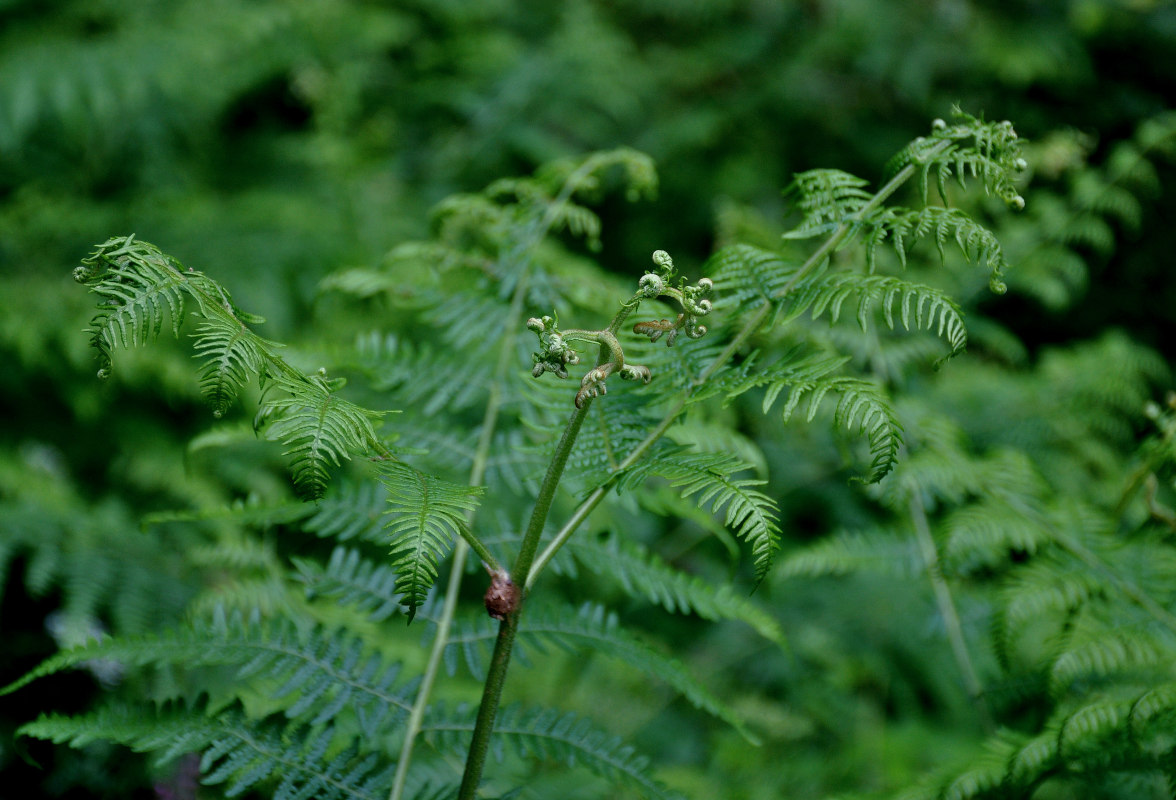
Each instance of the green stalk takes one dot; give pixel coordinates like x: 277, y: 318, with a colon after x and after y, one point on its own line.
x: 500, y: 660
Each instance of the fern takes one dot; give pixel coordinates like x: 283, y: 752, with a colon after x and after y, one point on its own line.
x: 139, y: 286
x: 750, y: 513
x: 320, y: 429
x: 287, y: 760
x: 903, y: 227
x: 861, y: 407
x: 918, y: 306
x: 553, y: 736
x: 354, y: 581
x: 593, y: 628
x: 314, y: 674
x: 827, y: 197
x: 426, y: 514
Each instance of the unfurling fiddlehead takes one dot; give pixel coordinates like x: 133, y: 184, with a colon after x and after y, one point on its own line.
x: 555, y: 353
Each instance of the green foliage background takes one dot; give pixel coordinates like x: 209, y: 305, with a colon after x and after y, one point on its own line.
x: 271, y: 144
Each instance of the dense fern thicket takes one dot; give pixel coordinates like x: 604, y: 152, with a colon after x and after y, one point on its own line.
x: 942, y: 457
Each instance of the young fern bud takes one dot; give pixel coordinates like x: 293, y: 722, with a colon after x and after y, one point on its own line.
x: 664, y: 262
x: 554, y: 353
x: 651, y: 285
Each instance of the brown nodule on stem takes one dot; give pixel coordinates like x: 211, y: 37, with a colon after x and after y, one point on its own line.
x: 502, y: 598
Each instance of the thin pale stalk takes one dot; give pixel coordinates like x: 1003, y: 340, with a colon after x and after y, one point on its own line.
x: 947, y: 610
x: 456, y: 572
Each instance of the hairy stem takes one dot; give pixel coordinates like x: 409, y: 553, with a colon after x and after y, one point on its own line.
x: 500, y: 660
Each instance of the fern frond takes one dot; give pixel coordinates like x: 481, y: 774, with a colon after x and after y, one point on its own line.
x: 314, y: 674
x: 985, y: 534
x: 827, y: 197
x: 350, y: 510
x: 426, y: 513
x: 231, y: 354
x: 746, y: 277
x: 918, y: 307
x: 1103, y: 653
x: 551, y: 736
x: 903, y: 227
x: 862, y: 406
x: 847, y: 552
x: 288, y: 761
x: 297, y: 761
x: 138, y: 285
x: 643, y: 573
x: 319, y: 428
x: 170, y: 730
x: 750, y: 514
x: 354, y: 581
x: 970, y: 148
x: 595, y: 629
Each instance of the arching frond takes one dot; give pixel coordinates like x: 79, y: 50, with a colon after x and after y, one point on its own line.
x: 552, y: 736
x: 314, y: 675
x: 425, y: 514
x: 231, y: 356
x: 749, y: 513
x: 354, y: 581
x: 319, y: 428
x: 847, y: 552
x: 903, y: 227
x: 918, y: 307
x: 139, y: 284
x: 591, y: 628
x: 862, y: 407
x: 350, y: 510
x: 645, y: 574
x: 970, y: 148
x: 285, y: 760
x: 746, y: 277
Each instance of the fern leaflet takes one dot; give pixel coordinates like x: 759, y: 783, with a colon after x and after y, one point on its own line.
x: 425, y: 514
x: 750, y: 513
x: 552, y: 736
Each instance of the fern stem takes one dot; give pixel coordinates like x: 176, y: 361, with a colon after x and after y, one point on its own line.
x: 500, y: 660
x: 948, y: 612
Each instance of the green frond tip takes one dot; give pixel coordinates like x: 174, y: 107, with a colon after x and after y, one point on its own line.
x: 749, y: 513
x: 967, y: 148
x: 862, y: 406
x: 914, y: 306
x: 903, y: 227
x: 643, y: 573
x: 425, y: 515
